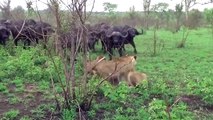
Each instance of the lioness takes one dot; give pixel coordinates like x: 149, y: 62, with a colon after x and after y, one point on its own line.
x: 114, y: 69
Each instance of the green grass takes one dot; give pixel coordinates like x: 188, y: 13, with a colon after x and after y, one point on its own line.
x: 179, y: 66
x: 172, y: 72
x: 11, y: 115
x: 2, y: 87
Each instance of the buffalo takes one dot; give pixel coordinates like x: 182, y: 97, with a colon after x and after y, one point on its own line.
x: 132, y: 32
x: 92, y: 40
x: 28, y: 30
x: 72, y: 37
x: 4, y: 34
x: 42, y: 30
x: 21, y: 30
x: 2, y: 21
x: 68, y: 40
x: 96, y: 33
x: 114, y: 38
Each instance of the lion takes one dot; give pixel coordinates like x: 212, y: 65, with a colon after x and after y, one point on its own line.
x: 134, y: 78
x: 112, y: 70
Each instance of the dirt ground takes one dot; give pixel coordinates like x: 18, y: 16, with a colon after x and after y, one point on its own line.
x: 30, y: 99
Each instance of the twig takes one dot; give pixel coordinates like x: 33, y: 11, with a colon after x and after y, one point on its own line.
x: 168, y: 109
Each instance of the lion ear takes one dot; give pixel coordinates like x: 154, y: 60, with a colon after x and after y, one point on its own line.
x: 135, y: 57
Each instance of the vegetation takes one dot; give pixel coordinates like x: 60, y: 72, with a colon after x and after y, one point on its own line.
x: 179, y: 84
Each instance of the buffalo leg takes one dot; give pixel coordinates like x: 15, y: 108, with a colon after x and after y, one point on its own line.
x: 123, y: 48
x: 110, y: 52
x: 93, y: 46
x: 26, y: 43
x: 36, y: 41
x: 120, y: 51
x: 103, y: 46
x: 133, y: 45
x: 3, y: 42
x: 45, y: 43
x: 16, y: 42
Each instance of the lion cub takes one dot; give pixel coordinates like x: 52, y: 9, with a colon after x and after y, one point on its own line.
x: 135, y: 78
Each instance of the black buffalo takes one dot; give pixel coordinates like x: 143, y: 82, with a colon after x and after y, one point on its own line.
x: 4, y: 34
x: 92, y: 40
x: 29, y: 30
x: 72, y: 38
x: 96, y: 33
x: 42, y: 30
x: 68, y: 40
x: 114, y: 38
x: 132, y: 32
x: 21, y: 30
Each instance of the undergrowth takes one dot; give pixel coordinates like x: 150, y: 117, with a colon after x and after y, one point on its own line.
x: 172, y: 73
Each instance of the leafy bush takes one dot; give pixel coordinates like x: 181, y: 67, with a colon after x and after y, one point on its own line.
x: 30, y: 65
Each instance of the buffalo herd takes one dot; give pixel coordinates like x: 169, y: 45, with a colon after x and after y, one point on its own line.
x: 29, y: 30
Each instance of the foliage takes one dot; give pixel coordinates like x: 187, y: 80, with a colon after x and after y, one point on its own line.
x: 5, y: 9
x: 173, y: 73
x: 159, y: 10
x: 29, y: 65
x: 68, y: 114
x: 18, y: 12
x: 132, y: 13
x: 25, y: 118
x: 2, y: 87
x: 178, y: 14
x: 209, y: 18
x: 109, y: 7
x: 209, y: 15
x: 201, y: 88
x: 11, y: 115
x: 116, y: 94
x: 185, y: 34
x: 157, y: 109
x: 195, y: 18
x: 13, y: 99
x: 160, y: 7
x: 39, y: 111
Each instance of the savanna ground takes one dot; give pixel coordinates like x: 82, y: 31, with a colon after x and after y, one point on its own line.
x: 179, y: 84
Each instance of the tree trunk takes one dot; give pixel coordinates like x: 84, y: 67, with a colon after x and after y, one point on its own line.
x: 186, y: 11
x: 146, y: 5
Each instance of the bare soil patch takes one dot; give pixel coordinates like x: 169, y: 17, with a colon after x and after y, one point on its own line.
x: 31, y: 98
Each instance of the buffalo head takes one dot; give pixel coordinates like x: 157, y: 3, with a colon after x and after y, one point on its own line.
x: 132, y: 31
x: 117, y: 38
